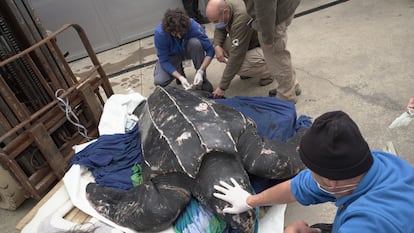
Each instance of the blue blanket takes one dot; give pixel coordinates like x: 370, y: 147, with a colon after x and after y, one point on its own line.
x: 275, y: 119
x: 111, y: 158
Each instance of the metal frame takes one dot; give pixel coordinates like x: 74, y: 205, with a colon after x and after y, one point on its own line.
x: 40, y: 130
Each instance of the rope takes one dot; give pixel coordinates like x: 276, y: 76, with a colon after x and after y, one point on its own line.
x: 70, y: 115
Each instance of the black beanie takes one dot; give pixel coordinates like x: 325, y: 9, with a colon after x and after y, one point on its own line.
x: 334, y: 147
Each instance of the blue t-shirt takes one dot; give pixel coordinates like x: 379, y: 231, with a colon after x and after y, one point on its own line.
x: 382, y: 202
x: 168, y: 45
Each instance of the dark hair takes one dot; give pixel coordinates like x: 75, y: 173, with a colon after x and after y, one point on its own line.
x: 175, y: 21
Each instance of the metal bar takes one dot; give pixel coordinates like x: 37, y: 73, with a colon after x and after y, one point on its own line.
x: 10, y: 118
x: 53, y: 69
x: 88, y: 47
x: 18, y: 145
x: 46, y: 182
x: 15, y: 169
x: 49, y: 150
x: 40, y: 77
x: 4, y: 125
x: 93, y: 105
x: 14, y: 104
x: 68, y: 75
x: 35, y: 30
x: 50, y: 68
x: 107, y: 86
x: 62, y: 80
x: 35, y: 46
x: 39, y: 174
x: 53, y: 119
x: 40, y: 111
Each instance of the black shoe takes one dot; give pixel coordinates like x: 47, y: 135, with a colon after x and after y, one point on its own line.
x: 298, y: 91
x: 272, y: 93
x: 265, y: 82
x: 325, y: 227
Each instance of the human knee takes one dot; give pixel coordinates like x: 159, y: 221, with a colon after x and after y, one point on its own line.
x: 194, y: 44
x: 160, y: 80
x: 163, y: 83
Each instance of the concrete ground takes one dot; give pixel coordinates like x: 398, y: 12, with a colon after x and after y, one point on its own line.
x: 356, y: 56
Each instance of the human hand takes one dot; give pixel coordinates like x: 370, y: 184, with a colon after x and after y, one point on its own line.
x: 218, y: 93
x: 198, y: 78
x: 410, y: 106
x: 184, y: 82
x: 301, y: 227
x: 221, y: 54
x: 234, y: 195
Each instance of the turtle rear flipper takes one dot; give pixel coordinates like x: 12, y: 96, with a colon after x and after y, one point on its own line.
x: 145, y: 208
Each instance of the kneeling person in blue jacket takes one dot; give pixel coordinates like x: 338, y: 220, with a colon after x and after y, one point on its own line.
x: 178, y: 38
x: 373, y: 190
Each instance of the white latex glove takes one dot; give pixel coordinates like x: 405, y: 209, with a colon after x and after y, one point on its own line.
x: 184, y: 82
x: 198, y: 78
x: 234, y: 195
x: 402, y: 120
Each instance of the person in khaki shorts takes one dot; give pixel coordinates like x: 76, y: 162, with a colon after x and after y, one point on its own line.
x: 236, y: 44
x: 272, y: 20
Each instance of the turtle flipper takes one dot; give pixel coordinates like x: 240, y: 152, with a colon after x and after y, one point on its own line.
x: 216, y: 167
x: 148, y: 207
x: 269, y: 158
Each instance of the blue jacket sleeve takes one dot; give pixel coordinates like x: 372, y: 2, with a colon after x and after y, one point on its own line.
x: 162, y: 43
x: 200, y: 33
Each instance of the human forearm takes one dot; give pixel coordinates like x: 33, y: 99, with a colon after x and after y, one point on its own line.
x: 206, y: 63
x: 278, y: 194
x: 176, y: 74
x: 228, y: 74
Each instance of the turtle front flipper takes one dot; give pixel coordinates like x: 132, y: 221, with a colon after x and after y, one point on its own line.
x: 269, y: 158
x: 216, y: 167
x: 149, y: 207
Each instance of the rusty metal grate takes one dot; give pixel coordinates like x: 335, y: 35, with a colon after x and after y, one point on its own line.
x: 37, y: 138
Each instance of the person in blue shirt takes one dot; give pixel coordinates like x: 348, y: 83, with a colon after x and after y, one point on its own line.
x: 373, y: 190
x: 178, y: 38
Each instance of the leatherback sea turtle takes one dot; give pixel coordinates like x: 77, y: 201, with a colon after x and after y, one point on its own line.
x: 189, y: 144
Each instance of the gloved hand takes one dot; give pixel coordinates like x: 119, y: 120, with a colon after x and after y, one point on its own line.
x: 234, y: 195
x: 184, y: 82
x: 198, y: 78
